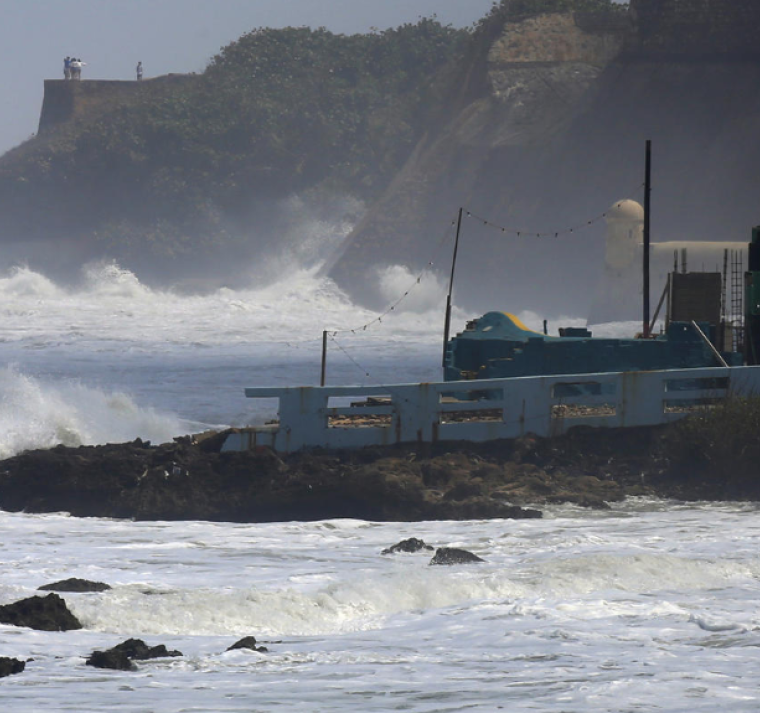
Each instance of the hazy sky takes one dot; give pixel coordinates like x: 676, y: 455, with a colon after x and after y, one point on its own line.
x: 166, y: 35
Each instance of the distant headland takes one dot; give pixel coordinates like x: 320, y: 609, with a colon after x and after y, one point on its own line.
x: 536, y: 118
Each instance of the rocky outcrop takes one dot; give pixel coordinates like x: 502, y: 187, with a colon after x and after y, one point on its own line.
x: 454, y: 555
x: 48, y: 613
x: 183, y: 480
x: 248, y: 642
x: 411, y: 545
x: 74, y: 584
x: 412, y: 482
x: 121, y: 656
x: 10, y: 666
x: 554, y: 38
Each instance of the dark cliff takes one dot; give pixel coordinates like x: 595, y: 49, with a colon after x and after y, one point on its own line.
x: 536, y: 122
x: 720, y: 28
x: 557, y: 134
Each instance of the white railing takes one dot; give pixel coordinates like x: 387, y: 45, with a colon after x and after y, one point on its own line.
x: 484, y: 410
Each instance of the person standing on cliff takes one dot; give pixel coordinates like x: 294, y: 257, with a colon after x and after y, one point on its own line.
x: 139, y: 71
x: 67, y: 67
x: 76, y: 68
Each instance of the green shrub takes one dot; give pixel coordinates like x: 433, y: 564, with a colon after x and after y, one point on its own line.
x: 722, y: 444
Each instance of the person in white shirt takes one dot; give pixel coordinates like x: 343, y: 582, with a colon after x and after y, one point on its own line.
x: 76, y: 68
x: 139, y: 71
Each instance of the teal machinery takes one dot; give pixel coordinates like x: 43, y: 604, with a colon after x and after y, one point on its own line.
x: 499, y: 345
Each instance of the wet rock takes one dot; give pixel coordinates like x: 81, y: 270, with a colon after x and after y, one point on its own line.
x: 411, y: 545
x: 189, y: 479
x: 74, y: 585
x: 524, y: 448
x: 121, y: 656
x: 482, y: 508
x: 10, y: 666
x: 465, y: 489
x: 139, y: 650
x: 116, y: 660
x: 48, y: 613
x: 248, y: 642
x: 454, y: 555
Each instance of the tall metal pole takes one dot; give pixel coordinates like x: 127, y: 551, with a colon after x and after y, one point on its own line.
x: 647, y: 216
x: 447, y: 323
x: 324, y: 358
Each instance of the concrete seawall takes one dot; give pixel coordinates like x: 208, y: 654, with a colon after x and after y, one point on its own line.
x: 67, y: 100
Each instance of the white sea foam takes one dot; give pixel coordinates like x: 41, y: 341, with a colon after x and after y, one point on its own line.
x: 424, y: 292
x: 112, y: 305
x: 648, y: 605
x: 36, y: 414
x: 640, y: 607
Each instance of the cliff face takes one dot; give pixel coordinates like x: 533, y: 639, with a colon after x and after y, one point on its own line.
x: 700, y: 28
x: 558, y: 137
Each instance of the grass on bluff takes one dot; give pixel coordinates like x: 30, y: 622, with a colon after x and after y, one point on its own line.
x: 721, y: 443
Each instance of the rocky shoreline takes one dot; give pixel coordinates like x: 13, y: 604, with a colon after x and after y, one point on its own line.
x: 191, y: 479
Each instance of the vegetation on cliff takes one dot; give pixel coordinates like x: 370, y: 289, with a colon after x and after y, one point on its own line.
x: 187, y: 163
x: 505, y: 10
x: 717, y: 451
x: 192, y: 168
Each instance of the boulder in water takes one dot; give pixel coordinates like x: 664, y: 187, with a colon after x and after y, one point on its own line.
x: 48, y: 613
x: 116, y: 660
x: 74, y: 584
x: 454, y: 555
x: 412, y: 545
x: 120, y: 657
x: 248, y: 642
x: 10, y: 666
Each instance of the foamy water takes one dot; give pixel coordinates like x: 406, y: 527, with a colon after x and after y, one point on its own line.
x: 113, y: 360
x: 649, y: 606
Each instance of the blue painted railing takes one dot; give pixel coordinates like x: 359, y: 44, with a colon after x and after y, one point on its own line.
x: 483, y: 410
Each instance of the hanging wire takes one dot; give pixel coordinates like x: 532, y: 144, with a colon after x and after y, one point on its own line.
x: 417, y: 281
x: 366, y: 372
x: 552, y: 233
x: 350, y: 357
x: 392, y: 307
x: 445, y: 237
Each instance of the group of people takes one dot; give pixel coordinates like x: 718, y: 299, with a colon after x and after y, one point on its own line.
x: 72, y: 68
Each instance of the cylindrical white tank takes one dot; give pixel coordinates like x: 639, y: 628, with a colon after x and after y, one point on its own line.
x: 625, y: 231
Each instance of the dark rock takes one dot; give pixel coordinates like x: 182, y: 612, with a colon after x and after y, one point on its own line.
x: 408, y: 483
x: 116, y: 660
x: 139, y: 650
x: 248, y: 642
x: 48, y: 613
x: 410, y: 545
x: 464, y: 489
x: 120, y: 657
x: 74, y: 585
x: 454, y: 555
x: 10, y: 666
